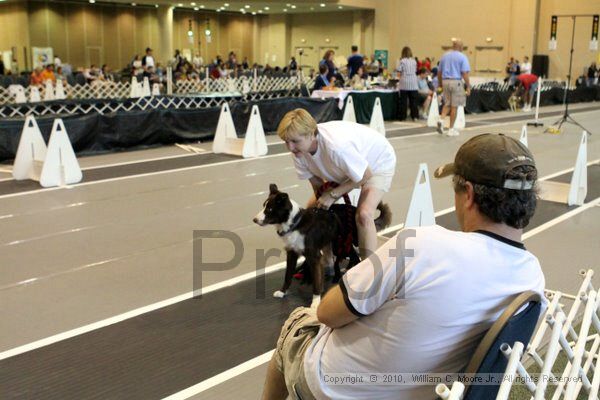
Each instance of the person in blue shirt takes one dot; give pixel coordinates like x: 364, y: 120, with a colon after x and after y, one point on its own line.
x: 453, y: 69
x: 322, y: 80
x: 355, y: 61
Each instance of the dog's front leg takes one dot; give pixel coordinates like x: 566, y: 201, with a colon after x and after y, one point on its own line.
x: 316, y: 261
x: 290, y: 269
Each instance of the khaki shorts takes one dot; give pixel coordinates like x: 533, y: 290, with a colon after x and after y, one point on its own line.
x: 454, y: 93
x: 296, y: 335
x: 381, y: 181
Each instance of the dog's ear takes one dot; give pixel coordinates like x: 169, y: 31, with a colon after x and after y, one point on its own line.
x: 273, y: 188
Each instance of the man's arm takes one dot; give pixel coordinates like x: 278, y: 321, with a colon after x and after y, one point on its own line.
x: 332, y: 310
x: 465, y: 76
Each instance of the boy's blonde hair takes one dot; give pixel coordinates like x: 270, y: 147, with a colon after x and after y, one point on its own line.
x: 296, y: 123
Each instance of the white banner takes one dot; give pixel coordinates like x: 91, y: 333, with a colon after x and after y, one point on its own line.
x: 42, y: 56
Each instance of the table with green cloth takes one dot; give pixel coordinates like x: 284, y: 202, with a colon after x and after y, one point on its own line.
x: 364, y: 100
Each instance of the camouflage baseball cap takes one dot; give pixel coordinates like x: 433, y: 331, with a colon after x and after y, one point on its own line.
x: 486, y: 159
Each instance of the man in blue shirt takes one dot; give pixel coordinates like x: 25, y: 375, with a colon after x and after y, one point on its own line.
x: 454, y: 68
x: 355, y: 61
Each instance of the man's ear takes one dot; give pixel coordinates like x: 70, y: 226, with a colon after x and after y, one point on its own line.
x: 469, y: 195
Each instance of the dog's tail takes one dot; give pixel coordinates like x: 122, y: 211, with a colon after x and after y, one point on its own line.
x: 385, y: 217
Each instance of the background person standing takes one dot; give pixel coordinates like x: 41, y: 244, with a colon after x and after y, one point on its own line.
x: 409, y: 87
x: 454, y: 68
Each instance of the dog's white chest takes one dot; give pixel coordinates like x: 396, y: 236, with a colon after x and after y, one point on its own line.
x: 294, y: 241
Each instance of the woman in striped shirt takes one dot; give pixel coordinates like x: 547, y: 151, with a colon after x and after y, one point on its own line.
x: 408, y: 85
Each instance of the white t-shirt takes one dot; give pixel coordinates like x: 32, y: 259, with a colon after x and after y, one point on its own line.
x: 427, y: 313
x: 526, y: 68
x: 344, y: 151
x: 149, y: 61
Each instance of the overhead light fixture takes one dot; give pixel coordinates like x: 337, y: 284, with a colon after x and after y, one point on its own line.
x: 156, y: 5
x: 322, y: 4
x: 226, y: 4
x: 196, y: 8
x: 285, y: 10
x: 293, y: 6
x: 247, y: 6
x: 92, y: 1
x: 180, y: 5
x: 312, y: 9
x: 260, y: 11
x: 267, y: 8
x: 218, y: 10
x: 192, y: 4
x: 340, y: 7
x: 201, y: 5
x: 253, y: 12
x: 133, y: 4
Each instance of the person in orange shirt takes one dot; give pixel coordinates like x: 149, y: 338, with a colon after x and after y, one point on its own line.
x: 48, y: 74
x: 36, y: 77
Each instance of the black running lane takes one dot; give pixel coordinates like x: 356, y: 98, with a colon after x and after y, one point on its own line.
x: 145, y: 167
x: 165, y: 351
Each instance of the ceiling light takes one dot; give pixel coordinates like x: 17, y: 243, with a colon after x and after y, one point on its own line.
x: 92, y: 1
x: 196, y: 8
x: 247, y: 6
x: 322, y: 4
x: 156, y: 5
x: 340, y: 7
x: 312, y: 9
x: 285, y: 10
x: 226, y: 4
x: 288, y: 4
x: 201, y: 5
x: 180, y: 5
x: 133, y: 4
x: 293, y: 6
x: 218, y: 10
x: 192, y: 4
x: 260, y: 11
x: 267, y: 8
x: 253, y: 12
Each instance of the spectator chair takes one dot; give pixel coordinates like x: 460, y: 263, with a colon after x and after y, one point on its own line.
x: 509, y: 328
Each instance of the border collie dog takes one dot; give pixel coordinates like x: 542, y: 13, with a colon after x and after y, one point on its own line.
x: 312, y: 233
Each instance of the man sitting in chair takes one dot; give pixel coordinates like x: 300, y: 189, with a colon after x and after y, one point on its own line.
x: 422, y: 302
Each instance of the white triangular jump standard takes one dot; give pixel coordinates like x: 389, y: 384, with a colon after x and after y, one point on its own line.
x: 420, y: 210
x: 434, y: 112
x: 59, y: 93
x: 377, y: 117
x: 575, y: 192
x: 460, y: 122
x: 226, y: 140
x: 146, y: 88
x: 34, y: 94
x: 134, y: 90
x: 523, y: 137
x: 349, y: 114
x: 31, y: 152
x: 578, y: 189
x: 60, y: 166
x: 48, y: 91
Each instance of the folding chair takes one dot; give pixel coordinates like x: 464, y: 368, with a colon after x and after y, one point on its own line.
x: 509, y: 328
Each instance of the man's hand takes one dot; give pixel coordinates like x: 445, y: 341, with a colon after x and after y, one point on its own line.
x: 468, y: 91
x: 326, y: 200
